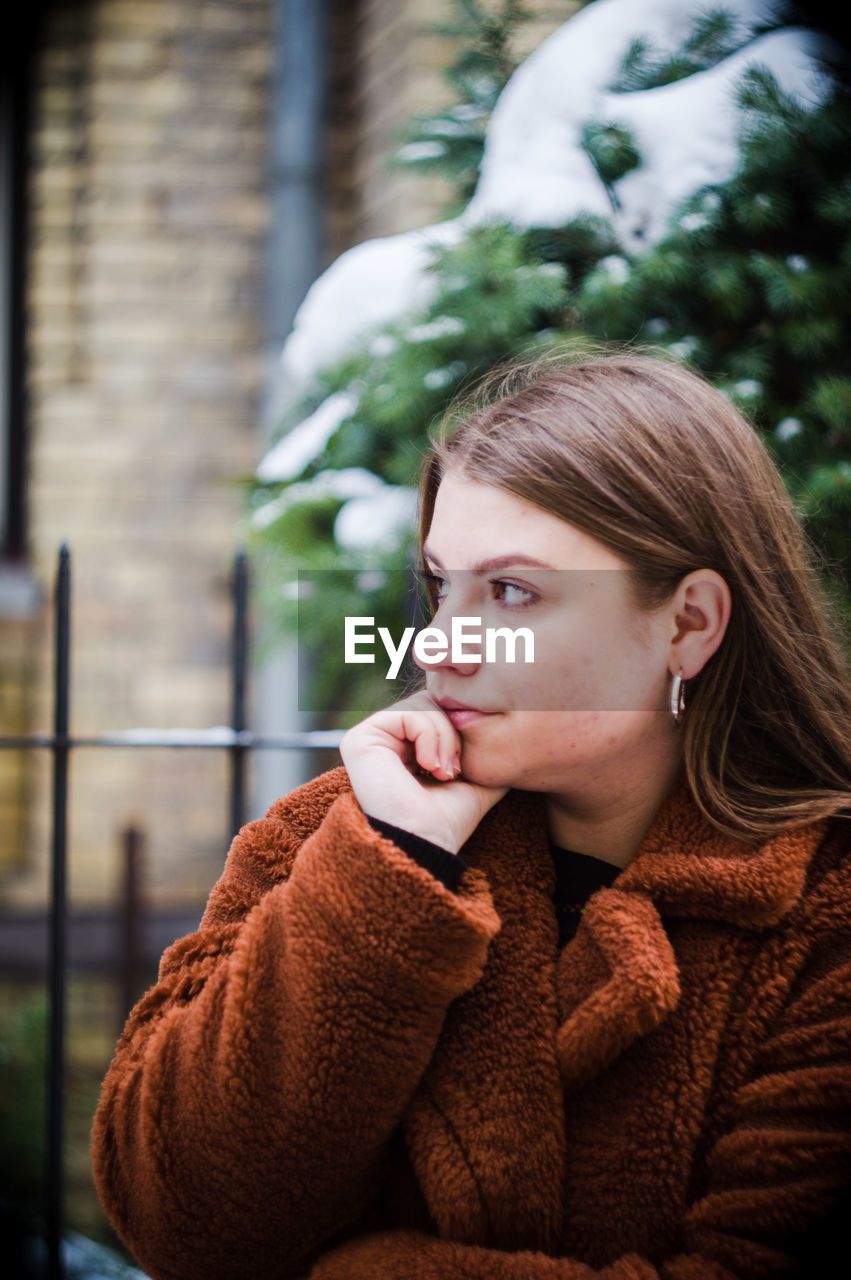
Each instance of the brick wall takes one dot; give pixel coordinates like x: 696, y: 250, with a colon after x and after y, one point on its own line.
x: 17, y: 638
x: 149, y: 212
x: 401, y: 59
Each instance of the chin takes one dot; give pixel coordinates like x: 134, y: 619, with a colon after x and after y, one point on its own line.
x: 486, y: 768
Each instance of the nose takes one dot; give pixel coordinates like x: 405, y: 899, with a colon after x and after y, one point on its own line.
x: 444, y: 661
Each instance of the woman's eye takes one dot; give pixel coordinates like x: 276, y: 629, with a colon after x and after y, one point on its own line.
x: 434, y: 585
x: 511, y: 594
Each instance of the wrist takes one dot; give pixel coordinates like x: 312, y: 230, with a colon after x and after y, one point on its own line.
x: 429, y: 833
x: 446, y: 866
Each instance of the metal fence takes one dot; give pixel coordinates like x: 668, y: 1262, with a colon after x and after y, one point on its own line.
x: 236, y: 739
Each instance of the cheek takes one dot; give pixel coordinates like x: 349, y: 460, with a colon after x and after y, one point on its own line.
x: 532, y: 749
x: 523, y: 746
x: 492, y: 751
x: 572, y: 668
x: 558, y: 683
x: 608, y: 676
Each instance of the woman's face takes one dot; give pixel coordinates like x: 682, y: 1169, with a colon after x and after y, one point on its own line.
x: 595, y: 698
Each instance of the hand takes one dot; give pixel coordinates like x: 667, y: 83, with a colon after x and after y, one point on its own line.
x: 382, y: 755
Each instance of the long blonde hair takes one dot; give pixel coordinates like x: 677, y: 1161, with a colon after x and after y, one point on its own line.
x: 656, y: 464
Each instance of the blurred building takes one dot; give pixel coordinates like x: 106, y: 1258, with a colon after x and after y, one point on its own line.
x: 173, y: 174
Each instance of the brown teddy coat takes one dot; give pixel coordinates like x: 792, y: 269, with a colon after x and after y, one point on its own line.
x: 351, y: 1072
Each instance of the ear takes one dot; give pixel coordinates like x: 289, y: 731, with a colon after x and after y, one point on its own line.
x: 698, y: 614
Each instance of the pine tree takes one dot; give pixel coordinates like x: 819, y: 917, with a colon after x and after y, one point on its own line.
x: 751, y: 285
x: 450, y: 141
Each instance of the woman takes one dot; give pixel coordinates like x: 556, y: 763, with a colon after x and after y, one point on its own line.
x: 551, y: 979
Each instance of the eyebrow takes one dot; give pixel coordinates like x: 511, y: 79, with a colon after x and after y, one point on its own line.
x: 492, y: 566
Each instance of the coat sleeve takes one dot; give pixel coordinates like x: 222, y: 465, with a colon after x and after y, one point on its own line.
x: 245, y: 1118
x: 778, y: 1171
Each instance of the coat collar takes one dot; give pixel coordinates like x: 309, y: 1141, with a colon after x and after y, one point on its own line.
x: 486, y: 1128
x: 690, y: 868
x: 684, y: 864
x: 684, y: 867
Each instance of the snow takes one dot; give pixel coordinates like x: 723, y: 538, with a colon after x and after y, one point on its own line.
x: 467, y: 111
x: 450, y: 128
x: 383, y: 345
x: 365, y: 287
x: 615, y: 267
x: 685, y: 348
x: 436, y: 379
x: 420, y: 151
x: 376, y: 520
x: 373, y: 513
x: 369, y: 580
x: 687, y: 132
x: 694, y: 221
x: 535, y: 171
x: 291, y: 455
x: 349, y: 482
x: 440, y: 327
x: 788, y: 428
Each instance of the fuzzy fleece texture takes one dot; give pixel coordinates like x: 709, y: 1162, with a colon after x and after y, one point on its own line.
x: 351, y: 1072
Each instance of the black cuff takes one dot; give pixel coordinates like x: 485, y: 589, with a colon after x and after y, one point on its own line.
x: 442, y: 863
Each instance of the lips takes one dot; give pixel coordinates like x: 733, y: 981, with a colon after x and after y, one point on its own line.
x: 460, y: 714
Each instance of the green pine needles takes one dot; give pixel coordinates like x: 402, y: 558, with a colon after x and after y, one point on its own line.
x: 751, y: 285
x: 451, y: 141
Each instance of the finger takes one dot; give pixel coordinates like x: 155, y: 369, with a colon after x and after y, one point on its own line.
x: 419, y: 721
x: 448, y: 742
x: 434, y: 750
x: 410, y: 734
x: 422, y: 733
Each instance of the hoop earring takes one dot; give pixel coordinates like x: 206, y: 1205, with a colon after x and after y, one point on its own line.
x: 678, y: 697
